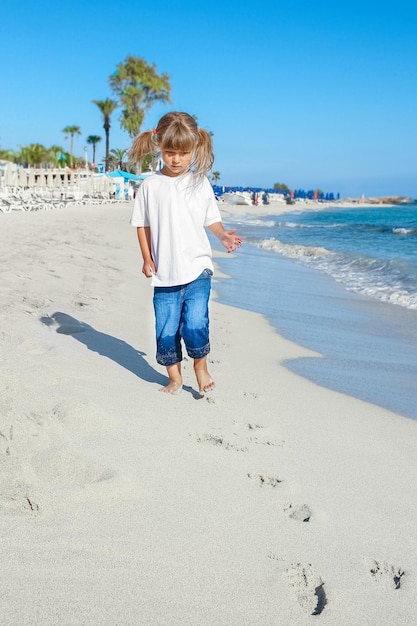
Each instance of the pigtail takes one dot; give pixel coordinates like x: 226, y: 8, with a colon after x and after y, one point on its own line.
x: 143, y: 145
x: 203, y: 156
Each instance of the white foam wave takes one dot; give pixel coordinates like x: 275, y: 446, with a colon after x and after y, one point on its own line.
x: 258, y: 222
x: 404, y: 231
x: 300, y: 225
x: 291, y: 225
x: 292, y: 251
x: 363, y: 275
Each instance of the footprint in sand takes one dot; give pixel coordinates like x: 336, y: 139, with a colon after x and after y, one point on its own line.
x: 299, y: 512
x: 216, y: 440
x: 35, y: 304
x: 265, y: 442
x: 251, y: 426
x: 85, y: 300
x: 382, y: 572
x: 248, y: 426
x: 264, y: 480
x: 308, y: 587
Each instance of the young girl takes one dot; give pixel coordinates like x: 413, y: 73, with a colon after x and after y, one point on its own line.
x: 171, y: 210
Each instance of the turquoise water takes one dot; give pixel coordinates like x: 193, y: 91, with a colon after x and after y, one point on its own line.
x: 340, y: 282
x: 370, y: 251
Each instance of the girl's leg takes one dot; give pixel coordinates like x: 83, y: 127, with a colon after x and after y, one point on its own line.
x: 167, y: 304
x: 175, y: 379
x: 194, y: 327
x: 205, y: 381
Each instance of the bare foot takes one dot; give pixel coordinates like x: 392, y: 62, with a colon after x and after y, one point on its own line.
x: 173, y: 387
x: 175, y: 379
x: 205, y: 381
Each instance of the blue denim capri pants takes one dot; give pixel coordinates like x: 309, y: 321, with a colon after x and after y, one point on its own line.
x: 181, y: 312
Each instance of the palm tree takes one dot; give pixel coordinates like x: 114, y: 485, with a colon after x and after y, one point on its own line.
x: 56, y: 156
x: 118, y: 154
x: 138, y: 86
x: 34, y: 154
x: 111, y: 162
x: 71, y: 131
x: 215, y: 177
x: 9, y: 155
x: 106, y: 107
x: 93, y: 140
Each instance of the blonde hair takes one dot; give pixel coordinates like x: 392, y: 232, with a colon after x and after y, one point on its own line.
x: 176, y: 131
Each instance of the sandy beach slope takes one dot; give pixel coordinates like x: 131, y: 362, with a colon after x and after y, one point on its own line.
x: 269, y: 501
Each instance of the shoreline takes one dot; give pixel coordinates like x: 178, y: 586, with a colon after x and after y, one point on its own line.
x: 365, y: 346
x: 265, y: 501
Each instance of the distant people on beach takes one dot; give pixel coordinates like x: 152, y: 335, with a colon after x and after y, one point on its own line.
x: 172, y: 209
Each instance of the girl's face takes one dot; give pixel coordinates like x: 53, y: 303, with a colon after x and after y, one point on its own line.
x: 176, y: 162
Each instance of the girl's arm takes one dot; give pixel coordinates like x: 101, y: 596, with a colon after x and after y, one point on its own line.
x: 144, y: 238
x: 227, y: 237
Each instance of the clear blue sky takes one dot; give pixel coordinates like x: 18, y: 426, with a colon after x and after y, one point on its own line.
x: 311, y: 94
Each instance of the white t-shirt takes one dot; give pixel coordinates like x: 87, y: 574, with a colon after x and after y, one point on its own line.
x: 177, y: 208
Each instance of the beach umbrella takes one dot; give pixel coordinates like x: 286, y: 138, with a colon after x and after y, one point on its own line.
x: 10, y: 175
x: 31, y: 178
x: 58, y: 181
x: 41, y: 180
x: 65, y: 181
x: 50, y: 179
x: 125, y: 175
x: 22, y: 178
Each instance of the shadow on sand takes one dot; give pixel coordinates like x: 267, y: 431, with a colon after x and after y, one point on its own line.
x: 115, y: 349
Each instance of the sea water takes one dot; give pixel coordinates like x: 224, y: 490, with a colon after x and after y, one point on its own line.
x: 342, y: 282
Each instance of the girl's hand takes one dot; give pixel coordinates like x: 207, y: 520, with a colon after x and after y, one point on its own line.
x: 229, y: 240
x: 149, y: 269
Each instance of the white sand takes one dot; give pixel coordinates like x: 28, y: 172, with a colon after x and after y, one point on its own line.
x: 120, y: 505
